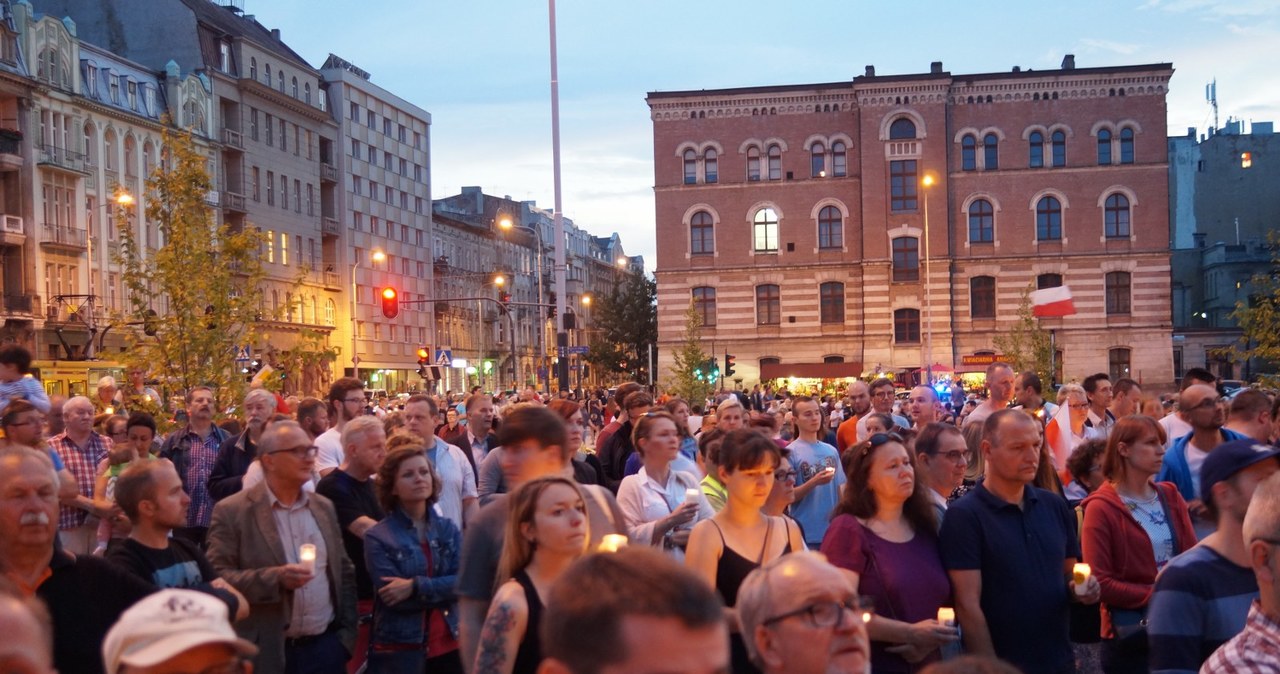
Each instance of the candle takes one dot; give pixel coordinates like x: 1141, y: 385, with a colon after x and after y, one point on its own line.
x: 307, y: 556
x: 1080, y: 575
x: 612, y: 542
x: 947, y: 616
x: 692, y: 494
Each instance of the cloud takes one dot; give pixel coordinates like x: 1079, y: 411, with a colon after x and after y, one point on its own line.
x: 1096, y: 45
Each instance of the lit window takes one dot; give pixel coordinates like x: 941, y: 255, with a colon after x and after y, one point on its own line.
x: 765, y: 231
x: 818, y: 161
x: 1246, y: 159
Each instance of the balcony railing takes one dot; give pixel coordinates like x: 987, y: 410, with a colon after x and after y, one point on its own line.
x: 59, y: 235
x: 232, y: 138
x: 232, y: 201
x: 329, y: 227
x: 61, y: 157
x: 328, y: 172
x: 9, y: 144
x: 330, y: 279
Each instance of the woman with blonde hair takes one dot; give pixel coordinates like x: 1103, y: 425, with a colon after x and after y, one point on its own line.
x: 546, y: 532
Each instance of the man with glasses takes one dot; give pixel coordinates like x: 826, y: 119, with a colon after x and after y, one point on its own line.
x: 942, y: 456
x: 1257, y: 648
x: 237, y: 454
x: 193, y: 451
x: 821, y: 479
x: 176, y: 631
x: 281, y: 547
x: 1202, y: 597
x: 801, y: 615
x: 346, y: 402
x: 1199, y: 406
x: 882, y: 395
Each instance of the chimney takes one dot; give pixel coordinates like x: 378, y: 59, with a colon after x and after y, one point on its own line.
x: 1017, y: 69
x: 1069, y: 62
x: 935, y: 68
x: 275, y: 34
x: 871, y: 71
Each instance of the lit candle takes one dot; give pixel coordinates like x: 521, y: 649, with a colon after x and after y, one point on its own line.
x: 307, y: 556
x: 692, y: 494
x: 612, y: 542
x: 1080, y: 575
x: 947, y: 616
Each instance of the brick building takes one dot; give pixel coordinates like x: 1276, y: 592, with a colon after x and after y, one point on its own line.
x: 794, y: 217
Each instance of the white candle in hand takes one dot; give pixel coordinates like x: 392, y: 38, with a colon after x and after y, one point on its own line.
x: 947, y: 616
x: 1080, y: 575
x: 612, y: 542
x: 307, y: 557
x: 691, y: 495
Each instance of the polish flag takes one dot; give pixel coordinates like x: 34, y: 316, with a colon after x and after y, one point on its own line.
x: 1052, y: 302
x: 1061, y: 441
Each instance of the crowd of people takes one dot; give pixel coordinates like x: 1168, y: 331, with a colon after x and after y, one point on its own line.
x: 589, y: 532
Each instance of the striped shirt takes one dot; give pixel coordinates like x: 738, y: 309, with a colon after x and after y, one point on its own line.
x: 1200, y: 601
x: 25, y: 388
x: 83, y: 464
x: 1256, y: 650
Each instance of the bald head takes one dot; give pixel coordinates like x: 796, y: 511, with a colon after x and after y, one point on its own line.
x: 1198, y: 404
x: 923, y: 404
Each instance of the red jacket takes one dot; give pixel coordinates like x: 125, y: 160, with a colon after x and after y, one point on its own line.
x: 1119, y: 551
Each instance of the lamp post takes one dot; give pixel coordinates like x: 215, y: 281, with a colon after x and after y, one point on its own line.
x: 499, y: 281
x: 506, y: 223
x: 120, y: 199
x: 927, y: 182
x: 375, y: 256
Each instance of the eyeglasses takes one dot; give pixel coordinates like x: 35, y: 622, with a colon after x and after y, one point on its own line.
x: 958, y: 456
x: 784, y: 475
x: 828, y: 614
x: 304, y: 452
x: 360, y: 400
x: 1079, y: 406
x: 1203, y: 404
x: 883, y: 395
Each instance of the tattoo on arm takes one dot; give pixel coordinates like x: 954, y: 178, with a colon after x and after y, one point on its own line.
x: 493, y: 657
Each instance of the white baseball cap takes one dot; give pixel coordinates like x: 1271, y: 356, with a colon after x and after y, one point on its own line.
x: 166, y: 624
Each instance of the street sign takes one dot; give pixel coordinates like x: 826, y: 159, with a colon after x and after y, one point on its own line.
x: 578, y: 349
x: 444, y: 357
x: 243, y: 355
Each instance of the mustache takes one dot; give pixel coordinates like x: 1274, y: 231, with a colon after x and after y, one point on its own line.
x: 39, y: 518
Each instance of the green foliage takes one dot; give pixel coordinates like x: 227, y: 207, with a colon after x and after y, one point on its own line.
x: 690, y: 362
x: 627, y: 319
x: 1026, y: 345
x: 1259, y: 318
x: 204, y: 284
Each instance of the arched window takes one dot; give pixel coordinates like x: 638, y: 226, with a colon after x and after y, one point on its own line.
x: 280, y: 80
x: 90, y: 144
x: 906, y: 259
x: 775, y: 162
x: 130, y: 157
x: 990, y: 152
x: 1048, y: 219
x: 1035, y: 157
x: 306, y: 88
x: 295, y: 87
x: 768, y: 305
x: 1104, y: 147
x: 901, y: 129
x: 831, y: 303
x: 1059, y: 139
x: 1126, y: 145
x: 981, y: 222
x: 704, y: 302
x: 109, y: 150
x: 1116, y: 218
x: 830, y: 228
x: 839, y: 160
x: 817, y: 160
x: 266, y: 68
x: 690, y: 167
x: 1117, y: 283
x: 711, y: 166
x: 982, y: 297
x: 702, y: 238
x: 253, y: 67
x: 1048, y: 281
x: 906, y: 326
x: 753, y: 164
x: 148, y: 158
x: 764, y: 232
x: 969, y: 153
x: 330, y: 312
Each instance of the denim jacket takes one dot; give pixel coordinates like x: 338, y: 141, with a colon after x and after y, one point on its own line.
x: 392, y: 550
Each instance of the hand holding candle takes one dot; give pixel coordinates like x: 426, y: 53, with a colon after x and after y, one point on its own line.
x: 691, y: 494
x: 1080, y: 575
x: 612, y: 543
x: 307, y: 557
x: 947, y: 616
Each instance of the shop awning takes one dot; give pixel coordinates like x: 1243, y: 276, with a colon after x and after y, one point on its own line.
x: 810, y: 370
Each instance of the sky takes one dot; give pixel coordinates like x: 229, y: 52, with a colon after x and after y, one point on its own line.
x: 481, y: 68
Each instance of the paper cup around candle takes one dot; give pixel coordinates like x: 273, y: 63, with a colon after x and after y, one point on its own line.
x: 692, y: 494
x: 947, y: 616
x: 612, y: 543
x: 1080, y: 575
x: 307, y: 556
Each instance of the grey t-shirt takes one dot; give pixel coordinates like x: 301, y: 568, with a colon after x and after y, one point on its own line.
x: 482, y: 544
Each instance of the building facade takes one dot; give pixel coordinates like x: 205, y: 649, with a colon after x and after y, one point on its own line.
x: 879, y: 225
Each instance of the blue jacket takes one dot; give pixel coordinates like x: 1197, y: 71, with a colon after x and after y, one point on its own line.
x: 391, y: 550
x: 1175, y: 468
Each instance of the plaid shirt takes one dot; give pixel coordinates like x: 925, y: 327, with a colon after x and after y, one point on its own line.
x: 1256, y: 650
x: 83, y: 464
x: 197, y: 456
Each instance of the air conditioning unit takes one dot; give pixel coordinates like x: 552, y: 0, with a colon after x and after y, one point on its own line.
x: 51, y: 312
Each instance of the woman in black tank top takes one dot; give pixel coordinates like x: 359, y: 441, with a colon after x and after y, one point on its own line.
x: 727, y: 547
x: 546, y: 532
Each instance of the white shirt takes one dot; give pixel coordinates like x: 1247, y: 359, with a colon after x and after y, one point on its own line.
x: 329, y: 452
x: 457, y: 480
x: 1174, y: 428
x: 644, y: 501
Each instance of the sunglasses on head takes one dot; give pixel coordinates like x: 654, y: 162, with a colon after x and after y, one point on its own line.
x: 881, y: 439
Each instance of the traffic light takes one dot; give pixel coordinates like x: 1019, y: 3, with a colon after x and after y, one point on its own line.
x: 698, y: 373
x: 551, y: 310
x: 715, y: 369
x: 504, y: 298
x: 390, y: 302
x: 424, y: 359
x: 730, y: 361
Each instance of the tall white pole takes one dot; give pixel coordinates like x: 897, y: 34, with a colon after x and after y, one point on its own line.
x: 355, y: 358
x: 928, y: 296
x: 562, y: 339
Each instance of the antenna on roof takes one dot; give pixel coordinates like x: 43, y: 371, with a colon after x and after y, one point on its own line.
x: 1211, y: 95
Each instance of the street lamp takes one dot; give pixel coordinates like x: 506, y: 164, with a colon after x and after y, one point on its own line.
x: 375, y: 256
x: 927, y: 181
x: 505, y: 223
x: 121, y: 199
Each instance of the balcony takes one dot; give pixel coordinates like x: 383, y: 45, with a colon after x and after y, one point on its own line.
x: 232, y: 139
x: 12, y: 230
x: 328, y: 172
x: 213, y: 198
x: 64, y: 159
x: 67, y: 238
x: 230, y: 201
x: 10, y: 150
x: 329, y: 227
x: 21, y: 304
x: 330, y: 280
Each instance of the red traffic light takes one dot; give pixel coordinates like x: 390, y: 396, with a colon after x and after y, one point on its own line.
x: 390, y: 302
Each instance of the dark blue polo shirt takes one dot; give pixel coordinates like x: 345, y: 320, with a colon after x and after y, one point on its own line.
x: 1020, y: 552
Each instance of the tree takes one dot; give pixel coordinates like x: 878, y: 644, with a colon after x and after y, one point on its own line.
x: 627, y: 320
x: 689, y: 359
x: 198, y: 296
x: 1026, y: 345
x: 1259, y: 317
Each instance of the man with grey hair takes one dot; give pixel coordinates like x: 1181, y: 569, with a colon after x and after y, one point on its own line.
x: 800, y: 615
x: 81, y: 450
x: 235, y: 454
x: 350, y: 487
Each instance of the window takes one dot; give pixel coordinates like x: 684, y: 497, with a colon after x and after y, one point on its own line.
x: 354, y: 111
x: 253, y: 123
x: 369, y: 118
x: 224, y: 57
x: 1116, y: 219
x: 818, y: 161
x: 906, y: 326
x: 990, y: 152
x: 1117, y: 283
x: 280, y: 80
x: 902, y: 185
x: 1126, y: 145
x: 1035, y: 156
x: 271, y: 245
x: 711, y: 166
x: 266, y: 69
x: 1048, y: 219
x: 768, y: 305
x: 1118, y: 361
x: 270, y: 126
x: 830, y: 228
x: 765, y: 231
x: 271, y: 189
x: 690, y: 167
x: 831, y: 303
x: 982, y: 297
x: 906, y: 259
x: 256, y: 178
x: 297, y: 196
x: 284, y: 143
x: 284, y: 192
x: 902, y: 128
x: 253, y: 68
x: 982, y: 227
x: 330, y: 312
x: 386, y: 126
x: 1104, y: 147
x: 294, y: 87
x: 1048, y: 281
x: 839, y: 160
x: 704, y: 302
x: 284, y: 248
x: 753, y: 164
x: 702, y: 238
x: 775, y: 162
x: 306, y: 93
x: 1059, y: 139
x: 968, y: 153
